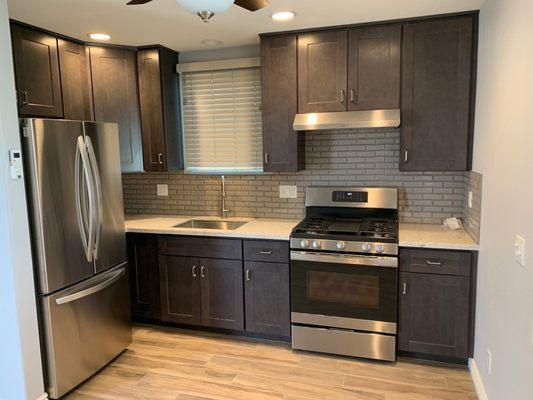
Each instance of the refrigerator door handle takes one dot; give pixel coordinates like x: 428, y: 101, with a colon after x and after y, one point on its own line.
x: 88, y: 242
x: 77, y: 188
x: 98, y: 186
x: 93, y: 289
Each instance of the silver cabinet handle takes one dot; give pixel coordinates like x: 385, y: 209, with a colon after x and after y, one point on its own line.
x: 266, y: 158
x: 406, y: 156
x: 343, y: 96
x: 160, y: 158
x: 202, y: 271
x: 24, y: 100
x: 98, y: 185
x: 404, y: 288
x: 248, y: 275
x: 265, y: 252
x: 352, y: 95
x: 194, y: 274
x: 436, y: 263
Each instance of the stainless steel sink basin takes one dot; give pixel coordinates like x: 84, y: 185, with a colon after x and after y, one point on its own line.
x: 211, y: 224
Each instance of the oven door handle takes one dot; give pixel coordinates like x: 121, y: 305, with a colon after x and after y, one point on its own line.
x: 364, y: 261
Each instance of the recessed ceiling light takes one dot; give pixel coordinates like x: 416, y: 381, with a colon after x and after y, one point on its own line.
x: 99, y: 36
x: 212, y: 43
x: 283, y: 16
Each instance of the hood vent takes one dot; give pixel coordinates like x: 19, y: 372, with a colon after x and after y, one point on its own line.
x: 347, y: 120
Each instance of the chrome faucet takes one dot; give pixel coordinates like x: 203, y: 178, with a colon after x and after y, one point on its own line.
x: 223, y: 209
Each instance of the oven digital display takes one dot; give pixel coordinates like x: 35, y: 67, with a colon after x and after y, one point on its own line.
x: 350, y: 197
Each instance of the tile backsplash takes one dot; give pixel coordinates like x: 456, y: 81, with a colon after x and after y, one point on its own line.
x: 472, y: 216
x: 333, y: 158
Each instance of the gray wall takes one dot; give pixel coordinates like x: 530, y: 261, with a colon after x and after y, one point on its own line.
x: 357, y: 158
x: 502, y: 153
x: 20, y: 362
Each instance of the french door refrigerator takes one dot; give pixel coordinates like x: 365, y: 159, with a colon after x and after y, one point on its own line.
x: 75, y: 198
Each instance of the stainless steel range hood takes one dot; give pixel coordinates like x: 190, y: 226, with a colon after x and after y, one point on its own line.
x: 347, y: 120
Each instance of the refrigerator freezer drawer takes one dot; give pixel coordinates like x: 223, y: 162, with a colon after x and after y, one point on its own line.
x: 85, y: 327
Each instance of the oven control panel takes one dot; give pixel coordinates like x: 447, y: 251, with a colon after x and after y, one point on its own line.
x: 349, y: 197
x: 345, y: 246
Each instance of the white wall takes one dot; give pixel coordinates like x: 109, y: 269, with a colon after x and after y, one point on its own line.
x: 503, y: 153
x: 20, y: 361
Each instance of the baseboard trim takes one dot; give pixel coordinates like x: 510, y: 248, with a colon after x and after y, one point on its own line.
x: 476, y: 378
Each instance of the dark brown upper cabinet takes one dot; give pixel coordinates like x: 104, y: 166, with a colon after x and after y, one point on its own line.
x: 160, y: 109
x: 75, y: 80
x: 437, y: 95
x: 282, y: 146
x: 115, y: 96
x: 37, y: 72
x: 374, y: 67
x: 322, y: 71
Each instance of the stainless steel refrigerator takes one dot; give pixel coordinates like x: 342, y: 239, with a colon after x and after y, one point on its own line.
x: 75, y: 197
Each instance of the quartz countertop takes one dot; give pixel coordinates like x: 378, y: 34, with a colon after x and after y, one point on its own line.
x: 435, y: 237
x: 256, y: 228
x: 411, y: 235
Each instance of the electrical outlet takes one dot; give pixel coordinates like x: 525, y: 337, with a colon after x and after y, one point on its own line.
x: 520, y: 250
x: 470, y: 199
x: 288, y: 192
x: 489, y: 362
x: 162, y: 190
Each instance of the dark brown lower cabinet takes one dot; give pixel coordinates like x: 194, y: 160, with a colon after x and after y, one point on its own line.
x: 435, y: 309
x: 266, y: 297
x: 201, y: 291
x: 222, y: 293
x: 144, y: 277
x: 180, y: 290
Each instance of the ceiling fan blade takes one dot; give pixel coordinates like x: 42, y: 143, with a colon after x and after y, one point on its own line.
x: 136, y: 2
x: 252, y: 5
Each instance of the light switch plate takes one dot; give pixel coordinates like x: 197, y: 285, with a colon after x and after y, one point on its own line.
x: 162, y: 190
x: 520, y: 250
x: 288, y: 191
x: 470, y: 199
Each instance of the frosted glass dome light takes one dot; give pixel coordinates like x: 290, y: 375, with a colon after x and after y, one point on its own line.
x: 198, y: 6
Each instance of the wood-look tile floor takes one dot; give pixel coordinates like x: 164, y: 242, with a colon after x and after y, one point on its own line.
x: 175, y: 364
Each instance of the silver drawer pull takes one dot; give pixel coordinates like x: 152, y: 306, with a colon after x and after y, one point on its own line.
x: 404, y: 288
x: 438, y: 264
x: 265, y: 252
x: 248, y: 275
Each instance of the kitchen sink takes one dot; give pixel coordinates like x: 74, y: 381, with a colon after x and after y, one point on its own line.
x: 211, y: 224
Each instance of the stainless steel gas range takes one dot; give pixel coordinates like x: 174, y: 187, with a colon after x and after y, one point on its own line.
x: 344, y: 273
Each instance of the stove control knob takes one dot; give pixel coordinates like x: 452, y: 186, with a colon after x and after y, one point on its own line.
x: 380, y: 248
x: 304, y: 243
x: 366, y: 247
x: 341, y: 245
x: 317, y: 244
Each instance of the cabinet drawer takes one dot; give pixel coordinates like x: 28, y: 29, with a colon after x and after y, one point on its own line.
x: 429, y: 261
x: 191, y: 246
x: 266, y: 250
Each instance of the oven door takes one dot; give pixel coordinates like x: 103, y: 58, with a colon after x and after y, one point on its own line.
x: 344, y: 291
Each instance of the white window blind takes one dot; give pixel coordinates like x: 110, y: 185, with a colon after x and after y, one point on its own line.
x: 222, y: 120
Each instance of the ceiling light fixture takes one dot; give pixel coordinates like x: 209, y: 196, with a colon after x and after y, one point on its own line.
x: 283, y: 16
x: 99, y: 36
x: 212, y: 43
x: 205, y: 9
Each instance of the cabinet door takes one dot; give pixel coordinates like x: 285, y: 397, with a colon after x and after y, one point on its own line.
x: 434, y: 314
x: 144, y: 276
x: 282, y: 146
x: 267, y: 301
x: 322, y: 71
x: 37, y: 72
x: 222, y: 294
x: 374, y: 68
x: 153, y: 130
x: 179, y: 281
x: 74, y: 81
x: 114, y: 79
x: 436, y: 74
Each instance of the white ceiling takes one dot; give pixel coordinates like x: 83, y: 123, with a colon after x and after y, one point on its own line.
x: 165, y: 22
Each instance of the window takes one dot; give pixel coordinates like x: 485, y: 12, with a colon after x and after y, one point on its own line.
x: 222, y: 120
